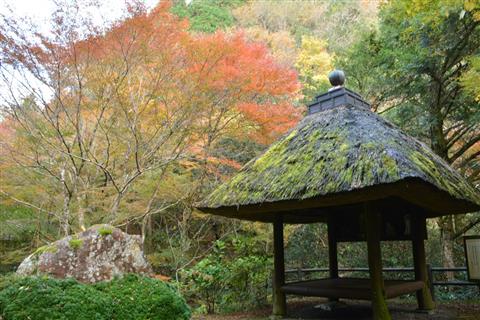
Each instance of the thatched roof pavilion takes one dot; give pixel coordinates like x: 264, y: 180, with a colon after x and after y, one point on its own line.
x: 345, y: 163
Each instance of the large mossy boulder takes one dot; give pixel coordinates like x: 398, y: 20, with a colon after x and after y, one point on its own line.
x: 97, y: 254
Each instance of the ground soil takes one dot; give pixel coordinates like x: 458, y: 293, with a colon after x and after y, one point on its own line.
x: 400, y: 310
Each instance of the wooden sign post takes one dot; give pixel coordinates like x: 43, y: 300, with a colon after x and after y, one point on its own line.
x: 472, y: 255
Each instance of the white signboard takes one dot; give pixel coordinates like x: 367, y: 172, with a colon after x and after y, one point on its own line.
x: 472, y: 253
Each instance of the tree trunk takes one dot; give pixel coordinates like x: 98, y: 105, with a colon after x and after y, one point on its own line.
x: 440, y: 147
x: 446, y: 227
x: 147, y: 230
x: 64, y: 221
x: 115, y: 206
x: 437, y: 118
x: 81, y: 213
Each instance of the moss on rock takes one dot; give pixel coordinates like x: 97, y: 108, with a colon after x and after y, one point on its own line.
x: 51, y: 248
x: 75, y: 243
x: 105, y: 231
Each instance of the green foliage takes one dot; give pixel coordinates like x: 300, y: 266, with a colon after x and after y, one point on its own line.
x: 418, y: 68
x: 471, y: 78
x: 43, y: 298
x: 20, y: 229
x: 452, y: 293
x: 313, y: 64
x: 141, y: 298
x: 17, y: 223
x: 233, y: 277
x: 339, y: 23
x: 12, y: 257
x: 249, y: 275
x: 130, y: 297
x: 206, y: 280
x: 8, y: 279
x: 306, y: 246
x: 207, y: 16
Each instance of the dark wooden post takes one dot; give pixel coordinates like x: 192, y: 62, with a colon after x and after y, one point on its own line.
x: 332, y: 252
x: 372, y: 228
x: 279, y: 299
x: 424, y: 296
x: 332, y: 249
x: 430, y: 281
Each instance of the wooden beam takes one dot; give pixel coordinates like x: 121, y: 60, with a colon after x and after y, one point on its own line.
x: 332, y: 252
x: 279, y: 299
x: 372, y: 221
x: 424, y: 296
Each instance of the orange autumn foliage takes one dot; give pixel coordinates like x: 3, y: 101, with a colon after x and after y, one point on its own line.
x: 228, y: 79
x: 259, y: 88
x: 271, y: 120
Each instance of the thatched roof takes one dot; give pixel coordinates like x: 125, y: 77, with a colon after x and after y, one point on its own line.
x: 342, y: 156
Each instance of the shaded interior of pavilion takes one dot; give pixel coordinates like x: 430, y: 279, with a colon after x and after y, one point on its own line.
x: 390, y: 219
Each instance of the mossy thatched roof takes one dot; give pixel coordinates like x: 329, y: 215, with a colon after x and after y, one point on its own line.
x: 342, y: 156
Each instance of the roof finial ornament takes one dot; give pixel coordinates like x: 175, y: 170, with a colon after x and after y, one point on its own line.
x: 337, y: 95
x: 336, y: 78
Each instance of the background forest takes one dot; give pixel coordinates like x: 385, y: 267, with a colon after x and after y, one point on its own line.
x: 132, y: 122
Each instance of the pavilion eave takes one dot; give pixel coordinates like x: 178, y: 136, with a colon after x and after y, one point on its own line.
x: 413, y: 191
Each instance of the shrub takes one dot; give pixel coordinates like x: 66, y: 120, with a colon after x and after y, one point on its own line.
x: 8, y: 279
x: 132, y: 297
x: 206, y: 282
x: 140, y: 298
x: 44, y: 298
x: 247, y: 281
x: 233, y: 277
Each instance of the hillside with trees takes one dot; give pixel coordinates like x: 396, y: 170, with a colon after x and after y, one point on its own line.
x: 133, y: 122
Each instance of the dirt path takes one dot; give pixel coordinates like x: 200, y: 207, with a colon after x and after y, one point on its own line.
x: 360, y: 310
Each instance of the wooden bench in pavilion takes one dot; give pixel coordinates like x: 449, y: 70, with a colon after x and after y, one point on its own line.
x: 348, y: 167
x: 350, y: 288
